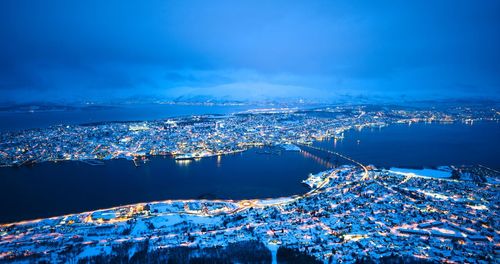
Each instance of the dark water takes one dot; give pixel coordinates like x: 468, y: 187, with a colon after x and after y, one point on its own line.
x: 423, y: 145
x: 50, y: 189
x: 40, y: 119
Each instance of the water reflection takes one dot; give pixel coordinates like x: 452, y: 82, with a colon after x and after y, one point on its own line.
x: 320, y: 160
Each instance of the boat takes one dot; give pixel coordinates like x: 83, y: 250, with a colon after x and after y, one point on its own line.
x: 188, y: 156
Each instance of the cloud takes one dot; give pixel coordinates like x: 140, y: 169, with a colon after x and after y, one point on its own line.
x: 118, y: 49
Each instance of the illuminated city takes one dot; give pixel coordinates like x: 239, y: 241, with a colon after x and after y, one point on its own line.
x: 351, y: 211
x: 203, y: 136
x: 274, y: 131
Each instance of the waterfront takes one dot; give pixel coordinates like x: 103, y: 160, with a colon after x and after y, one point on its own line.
x: 422, y: 145
x: 12, y: 120
x: 349, y: 198
x: 50, y: 189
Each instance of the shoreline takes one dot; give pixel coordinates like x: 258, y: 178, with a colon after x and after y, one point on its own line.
x: 252, y: 201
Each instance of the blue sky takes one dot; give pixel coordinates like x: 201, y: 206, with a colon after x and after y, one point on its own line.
x: 60, y: 50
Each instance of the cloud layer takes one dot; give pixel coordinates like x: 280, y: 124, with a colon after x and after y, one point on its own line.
x: 84, y: 50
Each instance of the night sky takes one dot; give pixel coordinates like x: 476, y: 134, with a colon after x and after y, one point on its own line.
x: 74, y: 51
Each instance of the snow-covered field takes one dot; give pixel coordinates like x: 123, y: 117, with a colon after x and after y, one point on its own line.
x: 433, y: 173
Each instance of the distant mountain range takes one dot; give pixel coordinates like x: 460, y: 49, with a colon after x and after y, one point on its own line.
x: 215, y: 101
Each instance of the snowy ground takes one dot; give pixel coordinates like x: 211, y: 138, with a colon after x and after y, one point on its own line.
x: 433, y: 173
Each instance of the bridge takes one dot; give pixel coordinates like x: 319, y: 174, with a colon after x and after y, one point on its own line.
x: 245, y: 204
x: 365, y: 169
